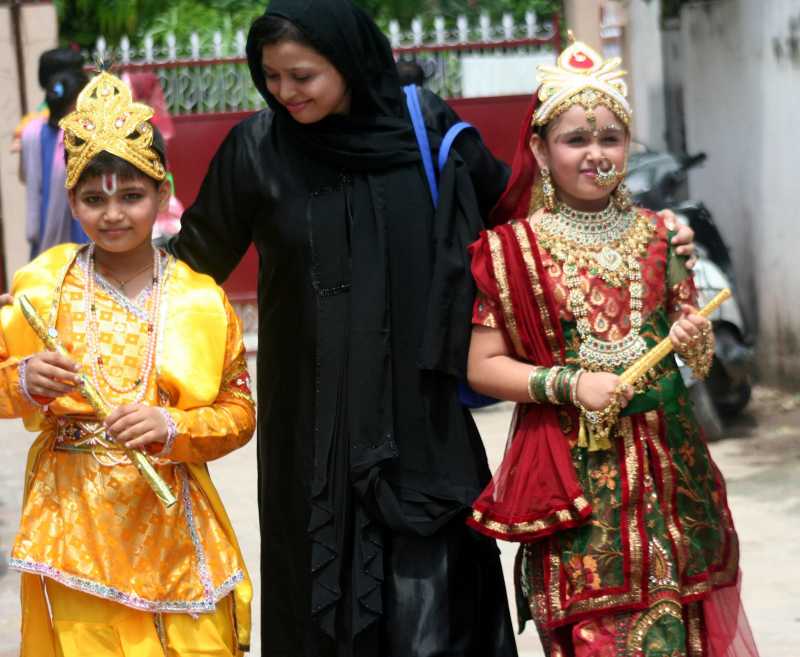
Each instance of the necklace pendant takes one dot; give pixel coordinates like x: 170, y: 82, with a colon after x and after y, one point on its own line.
x: 609, y: 258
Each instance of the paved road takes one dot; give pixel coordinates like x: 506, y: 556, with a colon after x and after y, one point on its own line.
x: 760, y: 459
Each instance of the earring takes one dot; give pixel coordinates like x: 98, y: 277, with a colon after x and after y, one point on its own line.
x: 548, y: 190
x: 621, y: 197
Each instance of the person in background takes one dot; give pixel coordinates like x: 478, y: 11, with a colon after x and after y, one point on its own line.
x: 48, y: 218
x: 51, y: 62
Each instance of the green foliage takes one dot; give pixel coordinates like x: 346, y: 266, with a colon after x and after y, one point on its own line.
x: 82, y: 21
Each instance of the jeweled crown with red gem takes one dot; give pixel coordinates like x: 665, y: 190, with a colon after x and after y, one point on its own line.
x: 581, y: 77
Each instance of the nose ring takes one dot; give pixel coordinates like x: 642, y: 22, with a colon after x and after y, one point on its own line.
x: 608, y: 177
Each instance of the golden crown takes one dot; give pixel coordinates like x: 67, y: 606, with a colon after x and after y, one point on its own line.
x: 107, y: 119
x: 581, y: 77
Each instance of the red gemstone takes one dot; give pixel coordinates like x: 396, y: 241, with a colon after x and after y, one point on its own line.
x: 581, y: 60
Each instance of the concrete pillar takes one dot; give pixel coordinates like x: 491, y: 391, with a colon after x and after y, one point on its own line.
x: 583, y: 18
x: 39, y: 32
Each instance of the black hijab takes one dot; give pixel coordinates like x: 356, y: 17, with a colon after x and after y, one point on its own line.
x: 393, y: 317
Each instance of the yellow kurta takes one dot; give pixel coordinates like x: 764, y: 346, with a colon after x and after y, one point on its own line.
x: 89, y: 520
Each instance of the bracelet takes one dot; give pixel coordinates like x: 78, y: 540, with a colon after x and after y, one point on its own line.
x: 536, y: 388
x: 22, y: 370
x: 700, y: 355
x: 172, y: 432
x: 573, y: 390
x: 549, y: 385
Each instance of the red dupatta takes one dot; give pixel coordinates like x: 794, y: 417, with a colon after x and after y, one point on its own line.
x: 535, y: 491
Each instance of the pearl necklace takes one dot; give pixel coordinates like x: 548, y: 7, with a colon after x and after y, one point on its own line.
x: 92, y: 330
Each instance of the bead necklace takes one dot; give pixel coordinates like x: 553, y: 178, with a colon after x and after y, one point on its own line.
x: 597, y: 241
x: 92, y: 331
x: 606, y: 244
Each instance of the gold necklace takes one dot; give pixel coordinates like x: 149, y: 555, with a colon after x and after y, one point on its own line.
x: 600, y: 242
x: 122, y: 283
x: 607, y: 244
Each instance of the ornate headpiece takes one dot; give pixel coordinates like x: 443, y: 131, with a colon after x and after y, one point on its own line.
x: 581, y: 77
x: 107, y: 119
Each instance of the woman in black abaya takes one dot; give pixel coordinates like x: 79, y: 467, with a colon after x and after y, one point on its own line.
x: 367, y: 461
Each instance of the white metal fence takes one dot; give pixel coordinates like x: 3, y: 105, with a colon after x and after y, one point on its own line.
x: 209, y: 73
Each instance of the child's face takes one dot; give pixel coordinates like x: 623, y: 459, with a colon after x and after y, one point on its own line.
x: 573, y: 150
x: 118, y: 213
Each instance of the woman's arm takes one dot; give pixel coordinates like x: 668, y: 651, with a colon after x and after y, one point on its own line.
x: 216, y: 230
x: 489, y: 175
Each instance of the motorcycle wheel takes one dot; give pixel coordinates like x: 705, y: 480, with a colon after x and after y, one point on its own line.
x: 705, y: 412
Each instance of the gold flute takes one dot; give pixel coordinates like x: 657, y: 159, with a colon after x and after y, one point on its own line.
x: 664, y: 348
x: 596, y: 425
x: 50, y: 339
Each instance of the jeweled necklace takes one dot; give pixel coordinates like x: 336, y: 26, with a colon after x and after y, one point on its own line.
x: 607, y: 244
x: 598, y: 241
x: 92, y: 331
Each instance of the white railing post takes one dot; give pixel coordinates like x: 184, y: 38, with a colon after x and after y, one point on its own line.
x: 218, y: 45
x: 125, y: 50
x: 486, y: 28
x: 241, y: 43
x: 101, y: 47
x: 438, y: 25
x: 148, y: 49
x: 416, y: 29
x: 194, y: 41
x: 172, y: 47
x: 531, y: 24
x: 508, y: 26
x: 394, y: 33
x: 462, y: 23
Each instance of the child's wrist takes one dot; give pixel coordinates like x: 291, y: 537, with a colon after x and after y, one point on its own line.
x: 172, y: 432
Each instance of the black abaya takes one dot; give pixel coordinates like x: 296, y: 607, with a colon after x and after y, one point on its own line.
x: 367, y: 462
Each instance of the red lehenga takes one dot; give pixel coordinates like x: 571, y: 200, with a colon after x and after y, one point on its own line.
x: 629, y: 551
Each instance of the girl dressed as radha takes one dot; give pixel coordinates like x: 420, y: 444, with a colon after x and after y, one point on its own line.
x: 628, y: 545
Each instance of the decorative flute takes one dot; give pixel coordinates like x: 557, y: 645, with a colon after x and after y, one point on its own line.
x: 596, y: 434
x: 50, y: 339
x: 664, y: 348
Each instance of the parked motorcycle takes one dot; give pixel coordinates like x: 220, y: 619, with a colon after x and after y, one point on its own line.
x: 659, y: 180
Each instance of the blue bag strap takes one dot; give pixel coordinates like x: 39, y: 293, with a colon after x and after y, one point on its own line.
x: 449, y: 138
x: 417, y: 120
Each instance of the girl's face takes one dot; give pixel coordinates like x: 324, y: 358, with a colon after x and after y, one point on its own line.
x: 573, y: 150
x: 118, y: 213
x: 307, y: 84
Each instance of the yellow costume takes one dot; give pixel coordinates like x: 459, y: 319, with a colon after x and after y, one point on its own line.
x: 90, y: 523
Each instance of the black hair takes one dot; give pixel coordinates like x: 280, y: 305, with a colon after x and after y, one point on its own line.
x: 269, y: 30
x: 410, y: 72
x: 56, y: 61
x: 107, y: 164
x: 62, y: 92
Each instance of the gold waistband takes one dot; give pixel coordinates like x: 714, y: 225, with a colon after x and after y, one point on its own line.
x: 87, y: 436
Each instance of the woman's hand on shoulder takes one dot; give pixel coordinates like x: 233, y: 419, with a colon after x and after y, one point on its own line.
x: 683, y: 239
x: 50, y: 375
x: 136, y: 426
x: 596, y: 390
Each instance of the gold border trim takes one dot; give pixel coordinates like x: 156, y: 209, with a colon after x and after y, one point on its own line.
x: 538, y: 291
x: 501, y: 276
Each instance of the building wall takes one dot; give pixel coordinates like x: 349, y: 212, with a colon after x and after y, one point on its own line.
x: 741, y: 97
x: 643, y: 60
x: 39, y: 30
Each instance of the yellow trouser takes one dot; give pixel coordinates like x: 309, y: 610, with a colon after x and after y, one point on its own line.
x: 87, y: 626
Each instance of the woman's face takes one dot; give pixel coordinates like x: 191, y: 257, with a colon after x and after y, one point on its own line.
x: 304, y: 82
x: 573, y: 150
